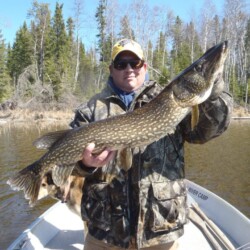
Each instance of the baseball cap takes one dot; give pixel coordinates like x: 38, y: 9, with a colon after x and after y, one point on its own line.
x: 127, y: 45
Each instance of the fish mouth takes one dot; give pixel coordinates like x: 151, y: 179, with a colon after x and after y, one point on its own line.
x: 212, y: 58
x: 194, y: 84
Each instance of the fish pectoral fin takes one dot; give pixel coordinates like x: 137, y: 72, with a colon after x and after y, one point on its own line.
x: 61, y: 173
x: 125, y: 158
x: 194, y: 116
x: 46, y: 141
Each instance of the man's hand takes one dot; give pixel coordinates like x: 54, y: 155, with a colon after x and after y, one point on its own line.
x: 90, y: 160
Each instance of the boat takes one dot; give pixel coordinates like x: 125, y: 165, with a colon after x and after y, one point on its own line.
x: 213, y: 224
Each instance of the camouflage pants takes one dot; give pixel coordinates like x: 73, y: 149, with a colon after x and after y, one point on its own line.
x: 92, y: 243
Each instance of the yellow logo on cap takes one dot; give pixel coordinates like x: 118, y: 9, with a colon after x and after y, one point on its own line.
x: 127, y: 45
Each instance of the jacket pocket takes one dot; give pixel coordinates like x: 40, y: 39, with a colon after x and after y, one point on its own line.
x: 165, y: 205
x: 95, y: 205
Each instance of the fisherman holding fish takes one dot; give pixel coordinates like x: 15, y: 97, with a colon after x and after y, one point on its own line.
x: 128, y: 144
x: 136, y: 198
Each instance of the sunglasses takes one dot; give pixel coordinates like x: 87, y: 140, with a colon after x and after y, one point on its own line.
x: 122, y: 64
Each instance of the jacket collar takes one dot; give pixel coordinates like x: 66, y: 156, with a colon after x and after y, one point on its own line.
x: 125, y: 97
x: 109, y: 93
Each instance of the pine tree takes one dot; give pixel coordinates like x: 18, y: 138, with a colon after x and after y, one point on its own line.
x: 87, y: 73
x: 101, y: 22
x: 60, y: 36
x: 160, y: 55
x: 58, y: 56
x: 126, y: 29
x: 5, y: 80
x: 9, y: 62
x: 105, y: 42
x: 247, y: 42
x: 39, y: 28
x: 160, y: 60
x: 181, y: 51
x: 22, y: 52
x: 70, y: 28
x: 72, y: 54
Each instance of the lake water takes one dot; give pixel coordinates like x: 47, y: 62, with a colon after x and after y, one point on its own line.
x: 221, y: 165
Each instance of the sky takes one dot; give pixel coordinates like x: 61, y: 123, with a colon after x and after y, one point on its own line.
x: 13, y: 13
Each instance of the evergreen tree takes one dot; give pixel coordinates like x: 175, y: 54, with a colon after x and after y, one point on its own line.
x: 61, y: 40
x: 160, y: 59
x: 39, y: 28
x: 104, y: 44
x: 70, y: 28
x: 22, y: 52
x: 181, y: 51
x: 72, y: 54
x: 126, y: 29
x: 87, y: 73
x: 9, y: 57
x: 101, y: 22
x: 58, y: 59
x: 5, y: 80
x: 160, y: 55
x: 52, y: 53
x: 247, y: 44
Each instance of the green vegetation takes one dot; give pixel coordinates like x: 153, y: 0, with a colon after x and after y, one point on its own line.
x: 48, y: 63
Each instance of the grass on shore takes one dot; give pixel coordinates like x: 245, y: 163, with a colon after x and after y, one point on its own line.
x: 28, y: 117
x: 240, y: 112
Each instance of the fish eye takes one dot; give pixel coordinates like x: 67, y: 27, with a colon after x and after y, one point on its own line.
x: 198, y: 68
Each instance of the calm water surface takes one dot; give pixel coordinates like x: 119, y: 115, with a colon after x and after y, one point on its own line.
x: 221, y: 165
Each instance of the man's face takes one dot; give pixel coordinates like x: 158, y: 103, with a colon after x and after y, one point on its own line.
x: 128, y: 79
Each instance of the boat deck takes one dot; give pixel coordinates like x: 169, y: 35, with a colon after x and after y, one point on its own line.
x: 59, y: 228
x: 73, y: 239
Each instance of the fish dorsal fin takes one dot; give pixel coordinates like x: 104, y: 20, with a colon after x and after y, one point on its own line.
x: 61, y: 173
x: 46, y: 141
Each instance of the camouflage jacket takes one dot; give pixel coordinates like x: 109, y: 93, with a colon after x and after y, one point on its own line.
x: 146, y: 205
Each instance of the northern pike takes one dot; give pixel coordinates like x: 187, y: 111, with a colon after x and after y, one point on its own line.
x: 136, y: 128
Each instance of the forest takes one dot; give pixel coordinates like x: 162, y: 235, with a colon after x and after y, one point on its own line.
x: 49, y: 64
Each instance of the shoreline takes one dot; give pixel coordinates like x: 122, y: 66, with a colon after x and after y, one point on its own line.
x: 240, y: 118
x: 29, y: 116
x: 21, y: 116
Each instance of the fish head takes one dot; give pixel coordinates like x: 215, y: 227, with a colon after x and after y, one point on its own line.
x: 194, y: 84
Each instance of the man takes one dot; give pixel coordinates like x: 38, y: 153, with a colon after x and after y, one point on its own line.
x: 144, y: 207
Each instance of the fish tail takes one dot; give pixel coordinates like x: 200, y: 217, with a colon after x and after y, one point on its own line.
x: 28, y: 181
